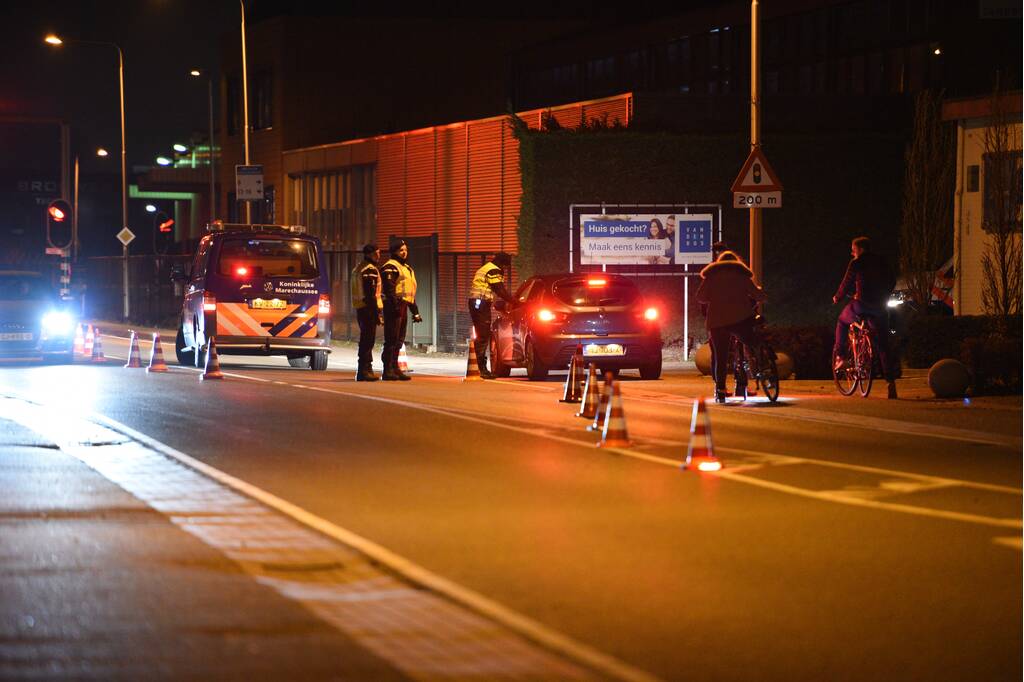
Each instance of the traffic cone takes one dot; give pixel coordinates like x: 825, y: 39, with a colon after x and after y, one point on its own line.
x: 700, y: 454
x: 602, y: 404
x: 614, y: 434
x: 78, y: 346
x: 97, y: 346
x: 591, y: 395
x: 89, y: 341
x: 403, y: 360
x: 156, y: 356
x: 134, y: 356
x: 212, y: 370
x: 472, y: 369
x: 573, y: 381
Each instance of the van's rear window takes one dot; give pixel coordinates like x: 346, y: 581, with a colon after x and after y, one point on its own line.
x: 267, y: 258
x: 595, y: 291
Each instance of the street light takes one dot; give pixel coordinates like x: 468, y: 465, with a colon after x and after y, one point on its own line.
x: 57, y: 41
x: 196, y: 73
x: 180, y: 148
x: 245, y: 107
x: 163, y: 161
x: 150, y: 208
x: 102, y: 152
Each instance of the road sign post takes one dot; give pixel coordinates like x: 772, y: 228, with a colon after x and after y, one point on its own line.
x: 249, y: 182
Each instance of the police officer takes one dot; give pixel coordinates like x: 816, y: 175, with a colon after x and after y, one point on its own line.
x: 369, y: 306
x: 488, y: 282
x: 398, y: 282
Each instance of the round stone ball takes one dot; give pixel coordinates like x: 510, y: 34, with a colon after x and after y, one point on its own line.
x: 784, y: 364
x: 949, y: 378
x: 702, y: 358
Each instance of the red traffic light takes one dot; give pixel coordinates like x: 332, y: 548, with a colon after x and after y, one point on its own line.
x: 56, y: 213
x: 166, y: 225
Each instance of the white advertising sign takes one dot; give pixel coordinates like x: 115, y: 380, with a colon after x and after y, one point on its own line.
x: 645, y: 239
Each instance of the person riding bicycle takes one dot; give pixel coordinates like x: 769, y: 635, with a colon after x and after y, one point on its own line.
x: 868, y: 281
x: 728, y: 287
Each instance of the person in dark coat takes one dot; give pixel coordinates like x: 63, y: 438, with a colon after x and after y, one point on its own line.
x: 728, y: 289
x: 869, y: 282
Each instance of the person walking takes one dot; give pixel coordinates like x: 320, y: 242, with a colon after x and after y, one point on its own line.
x: 398, y: 283
x: 369, y: 306
x: 488, y: 284
x: 728, y: 289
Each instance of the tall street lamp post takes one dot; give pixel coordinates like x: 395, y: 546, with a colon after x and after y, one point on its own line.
x: 196, y: 73
x: 245, y: 107
x: 57, y: 41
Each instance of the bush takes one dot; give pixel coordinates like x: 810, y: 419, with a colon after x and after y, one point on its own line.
x: 810, y: 347
x: 931, y: 338
x: 994, y: 361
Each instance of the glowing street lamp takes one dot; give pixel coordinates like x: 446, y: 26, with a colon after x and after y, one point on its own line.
x: 163, y: 161
x: 53, y: 40
x: 102, y: 152
x: 180, y: 148
x: 150, y: 208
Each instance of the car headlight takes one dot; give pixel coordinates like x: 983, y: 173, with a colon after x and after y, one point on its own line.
x: 56, y: 323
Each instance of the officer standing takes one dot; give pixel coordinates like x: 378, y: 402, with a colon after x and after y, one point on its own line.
x: 369, y: 306
x: 488, y: 282
x: 398, y: 282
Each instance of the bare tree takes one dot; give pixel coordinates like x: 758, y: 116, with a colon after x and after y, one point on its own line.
x: 926, y: 233
x: 1001, y: 215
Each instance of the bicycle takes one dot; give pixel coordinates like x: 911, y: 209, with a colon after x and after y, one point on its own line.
x: 760, y: 365
x: 858, y: 368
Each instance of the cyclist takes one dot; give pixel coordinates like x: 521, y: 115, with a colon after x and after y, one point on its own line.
x: 868, y: 281
x: 728, y: 287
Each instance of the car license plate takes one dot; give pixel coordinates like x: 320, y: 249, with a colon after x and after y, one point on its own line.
x: 268, y: 304
x: 20, y: 336
x: 604, y: 349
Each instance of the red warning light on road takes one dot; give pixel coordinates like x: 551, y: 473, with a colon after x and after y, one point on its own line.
x: 56, y: 213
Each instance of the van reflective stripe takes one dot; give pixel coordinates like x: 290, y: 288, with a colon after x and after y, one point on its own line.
x: 307, y: 329
x: 226, y: 326
x: 289, y: 319
x: 288, y: 326
x: 237, y: 316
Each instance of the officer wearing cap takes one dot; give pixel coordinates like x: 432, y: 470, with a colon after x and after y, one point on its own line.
x: 369, y: 306
x: 398, y: 283
x: 488, y: 283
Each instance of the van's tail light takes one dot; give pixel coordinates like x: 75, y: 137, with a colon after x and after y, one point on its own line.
x: 651, y: 314
x: 597, y: 282
x: 324, y: 307
x: 209, y: 303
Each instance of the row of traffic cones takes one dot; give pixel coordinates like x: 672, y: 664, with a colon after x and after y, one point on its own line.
x: 88, y: 344
x: 157, y: 363
x: 608, y: 417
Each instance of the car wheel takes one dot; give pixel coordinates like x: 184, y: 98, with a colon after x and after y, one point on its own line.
x: 318, y: 362
x: 498, y: 368
x: 185, y: 356
x: 651, y: 371
x: 299, y: 361
x: 535, y: 369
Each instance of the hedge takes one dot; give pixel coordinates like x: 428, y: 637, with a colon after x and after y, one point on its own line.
x: 930, y: 338
x: 809, y: 346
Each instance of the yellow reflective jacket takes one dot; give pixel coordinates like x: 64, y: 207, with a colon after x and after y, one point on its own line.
x: 403, y: 277
x: 486, y: 278
x: 365, y: 284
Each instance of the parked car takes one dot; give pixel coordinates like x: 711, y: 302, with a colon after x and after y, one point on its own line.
x: 34, y: 321
x: 551, y: 314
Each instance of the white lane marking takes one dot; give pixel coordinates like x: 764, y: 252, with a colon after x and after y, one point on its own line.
x: 63, y: 431
x: 1013, y: 542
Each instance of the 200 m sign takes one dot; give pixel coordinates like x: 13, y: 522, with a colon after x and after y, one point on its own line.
x: 757, y: 200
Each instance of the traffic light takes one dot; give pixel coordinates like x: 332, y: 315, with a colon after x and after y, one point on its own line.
x: 59, y: 224
x: 163, y: 233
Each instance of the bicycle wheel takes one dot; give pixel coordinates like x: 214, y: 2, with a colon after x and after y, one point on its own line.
x: 769, y: 374
x: 865, y: 364
x: 845, y: 378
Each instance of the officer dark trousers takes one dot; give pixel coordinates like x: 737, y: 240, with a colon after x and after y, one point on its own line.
x: 395, y: 320
x: 480, y: 313
x: 367, y: 318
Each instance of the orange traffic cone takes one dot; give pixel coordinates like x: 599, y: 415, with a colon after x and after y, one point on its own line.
x: 572, y: 380
x: 602, y: 404
x: 591, y: 395
x: 700, y: 454
x: 89, y: 342
x: 134, y: 356
x: 472, y: 369
x: 78, y: 347
x: 403, y: 360
x: 156, y: 356
x: 212, y: 370
x: 614, y: 434
x: 97, y: 346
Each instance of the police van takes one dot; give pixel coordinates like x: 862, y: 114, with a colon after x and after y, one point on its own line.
x: 260, y: 290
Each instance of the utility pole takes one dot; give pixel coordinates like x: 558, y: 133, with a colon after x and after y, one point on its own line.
x: 755, y: 136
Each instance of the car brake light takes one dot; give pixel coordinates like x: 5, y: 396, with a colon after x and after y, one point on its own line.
x: 597, y: 282
x: 241, y: 271
x: 209, y: 303
x: 545, y: 315
x: 651, y: 314
x: 324, y: 307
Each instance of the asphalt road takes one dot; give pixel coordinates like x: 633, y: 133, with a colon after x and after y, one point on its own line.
x: 844, y: 539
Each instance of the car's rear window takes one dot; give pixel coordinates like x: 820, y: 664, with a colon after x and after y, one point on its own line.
x: 268, y: 258
x: 23, y: 288
x: 591, y: 291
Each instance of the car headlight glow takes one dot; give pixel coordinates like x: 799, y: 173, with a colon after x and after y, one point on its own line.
x: 56, y: 323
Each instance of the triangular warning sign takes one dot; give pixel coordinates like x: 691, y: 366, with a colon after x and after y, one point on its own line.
x: 757, y: 175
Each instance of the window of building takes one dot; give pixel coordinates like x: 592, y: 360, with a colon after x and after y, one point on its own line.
x: 234, y: 105
x: 973, y: 178
x: 263, y: 101
x: 337, y: 206
x: 1002, y: 192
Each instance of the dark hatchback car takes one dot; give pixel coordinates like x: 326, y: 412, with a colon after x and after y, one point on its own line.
x: 551, y: 314
x: 34, y: 321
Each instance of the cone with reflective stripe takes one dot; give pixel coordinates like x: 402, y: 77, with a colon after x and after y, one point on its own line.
x: 90, y: 340
x: 472, y: 369
x: 602, y: 404
x: 700, y: 455
x: 614, y: 434
x: 591, y: 395
x: 97, y: 346
x: 134, y: 355
x: 573, y: 381
x: 212, y: 370
x: 403, y: 360
x: 156, y: 356
x: 78, y: 347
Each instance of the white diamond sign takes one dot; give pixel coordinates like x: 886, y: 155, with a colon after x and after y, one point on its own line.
x: 125, y: 236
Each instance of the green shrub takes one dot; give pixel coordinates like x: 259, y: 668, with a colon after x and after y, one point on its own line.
x: 930, y: 338
x: 810, y: 347
x: 994, y: 361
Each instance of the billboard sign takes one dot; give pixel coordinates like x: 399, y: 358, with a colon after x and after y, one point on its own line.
x: 646, y: 239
